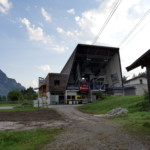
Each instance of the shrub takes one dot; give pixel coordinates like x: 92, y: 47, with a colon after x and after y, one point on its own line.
x: 14, y: 95
x: 146, y: 124
x: 101, y: 95
x: 146, y: 95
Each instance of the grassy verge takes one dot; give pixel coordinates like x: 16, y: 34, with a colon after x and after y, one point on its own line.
x: 10, y: 103
x: 20, y: 107
x: 138, y: 118
x: 132, y: 103
x: 26, y: 140
x: 136, y: 122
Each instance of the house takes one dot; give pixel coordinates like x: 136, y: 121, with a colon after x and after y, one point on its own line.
x: 135, y: 86
x: 143, y: 61
x: 89, y: 69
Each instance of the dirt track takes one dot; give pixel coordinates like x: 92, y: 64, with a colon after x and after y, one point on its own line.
x: 87, y: 132
x: 40, y: 115
x: 31, y: 120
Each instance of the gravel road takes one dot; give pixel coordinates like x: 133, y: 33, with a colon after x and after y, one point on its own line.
x: 88, y: 132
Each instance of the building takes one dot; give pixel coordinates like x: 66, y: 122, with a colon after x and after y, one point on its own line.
x: 142, y: 61
x: 135, y: 86
x: 89, y: 69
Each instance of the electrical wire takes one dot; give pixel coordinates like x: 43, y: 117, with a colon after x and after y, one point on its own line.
x: 136, y: 34
x: 106, y: 22
x: 134, y: 28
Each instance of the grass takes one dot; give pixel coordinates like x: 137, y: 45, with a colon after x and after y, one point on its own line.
x: 10, y: 103
x: 132, y: 103
x: 136, y: 120
x: 20, y: 106
x: 27, y: 140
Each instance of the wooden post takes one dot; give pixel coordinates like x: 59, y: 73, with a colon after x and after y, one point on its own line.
x: 148, y: 81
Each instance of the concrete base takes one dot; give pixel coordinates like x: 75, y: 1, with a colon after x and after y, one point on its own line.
x: 70, y: 102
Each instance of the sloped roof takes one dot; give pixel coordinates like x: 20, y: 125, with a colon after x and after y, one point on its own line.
x: 94, y: 55
x: 142, y: 61
x: 83, y: 52
x: 97, y: 56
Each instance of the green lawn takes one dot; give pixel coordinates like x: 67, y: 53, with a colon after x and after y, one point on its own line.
x: 137, y: 119
x: 10, y: 103
x: 27, y: 140
x: 19, y: 106
x: 132, y: 103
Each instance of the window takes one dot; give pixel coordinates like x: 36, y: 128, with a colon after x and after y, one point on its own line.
x: 68, y: 97
x: 73, y: 97
x: 141, y: 81
x: 56, y: 82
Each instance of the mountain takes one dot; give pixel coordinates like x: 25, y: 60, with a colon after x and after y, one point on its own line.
x: 8, y: 84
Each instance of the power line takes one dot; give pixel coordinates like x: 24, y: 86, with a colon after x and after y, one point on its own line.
x: 137, y: 33
x: 106, y: 22
x: 134, y: 28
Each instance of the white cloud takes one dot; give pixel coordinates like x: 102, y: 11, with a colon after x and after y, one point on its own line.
x: 124, y: 19
x: 34, y: 83
x: 59, y: 48
x: 5, y: 5
x: 60, y: 30
x: 30, y: 83
x: 71, y: 11
x: 36, y: 33
x: 77, y: 18
x: 70, y: 34
x: 44, y: 68
x: 46, y: 15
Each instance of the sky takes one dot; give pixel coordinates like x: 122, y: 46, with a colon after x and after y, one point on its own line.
x: 38, y: 36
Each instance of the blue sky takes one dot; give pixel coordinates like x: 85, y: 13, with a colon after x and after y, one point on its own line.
x: 38, y: 36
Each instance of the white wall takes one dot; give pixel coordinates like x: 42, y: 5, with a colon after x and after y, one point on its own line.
x: 136, y: 81
x: 140, y: 88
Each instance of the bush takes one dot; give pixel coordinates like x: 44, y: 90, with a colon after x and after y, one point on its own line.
x: 146, y: 124
x: 14, y: 95
x: 146, y: 95
x: 101, y: 95
x: 141, y: 106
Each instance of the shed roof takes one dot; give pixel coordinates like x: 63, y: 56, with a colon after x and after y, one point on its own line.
x: 141, y: 61
x: 96, y: 55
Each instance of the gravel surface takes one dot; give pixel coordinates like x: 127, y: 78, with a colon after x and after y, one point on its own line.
x: 89, y: 132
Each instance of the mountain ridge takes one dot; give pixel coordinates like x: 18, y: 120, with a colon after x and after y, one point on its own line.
x: 8, y: 84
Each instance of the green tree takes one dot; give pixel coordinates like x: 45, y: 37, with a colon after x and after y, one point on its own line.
x: 14, y: 95
x: 134, y: 75
x: 34, y: 96
x: 142, y: 74
x: 4, y: 98
x: 0, y: 98
x: 29, y: 94
x: 124, y: 79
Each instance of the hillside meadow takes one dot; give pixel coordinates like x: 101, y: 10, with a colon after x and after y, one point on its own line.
x: 137, y: 120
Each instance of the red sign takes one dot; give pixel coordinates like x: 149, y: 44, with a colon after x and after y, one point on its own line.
x: 84, y: 88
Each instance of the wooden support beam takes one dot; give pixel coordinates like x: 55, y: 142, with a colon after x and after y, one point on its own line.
x: 148, y: 81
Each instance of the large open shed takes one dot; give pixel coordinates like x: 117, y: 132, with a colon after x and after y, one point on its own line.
x: 89, y: 69
x: 143, y: 61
